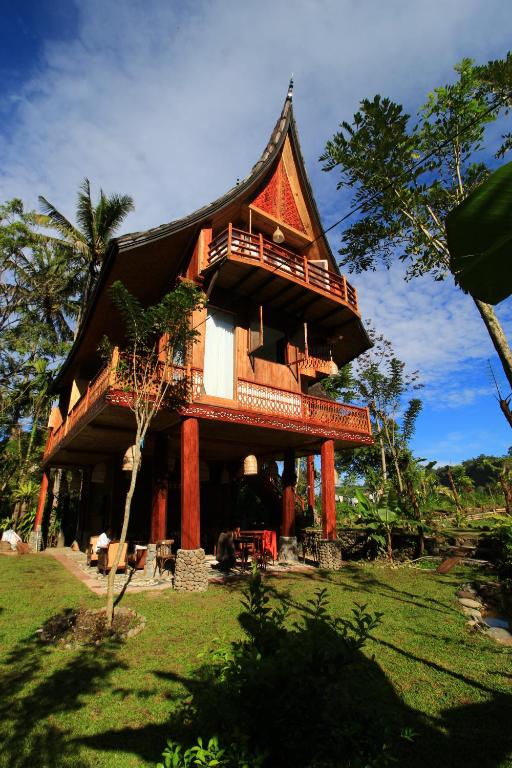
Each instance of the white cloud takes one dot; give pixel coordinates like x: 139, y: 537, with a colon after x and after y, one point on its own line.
x: 172, y: 102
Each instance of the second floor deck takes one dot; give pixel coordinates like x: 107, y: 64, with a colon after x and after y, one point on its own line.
x: 253, y: 403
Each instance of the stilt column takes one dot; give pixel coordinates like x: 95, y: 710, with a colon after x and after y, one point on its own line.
x: 328, y: 490
x: 289, y: 480
x: 311, y: 483
x: 287, y: 540
x: 35, y: 539
x: 43, y: 492
x: 190, y: 517
x: 160, y: 488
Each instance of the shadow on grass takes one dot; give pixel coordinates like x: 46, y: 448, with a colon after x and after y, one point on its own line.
x: 31, y: 697
x: 308, y: 697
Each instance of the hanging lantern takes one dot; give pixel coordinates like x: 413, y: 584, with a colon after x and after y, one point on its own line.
x: 250, y: 465
x: 204, y: 472
x: 129, y: 459
x: 278, y: 236
x: 99, y: 473
x: 225, y: 478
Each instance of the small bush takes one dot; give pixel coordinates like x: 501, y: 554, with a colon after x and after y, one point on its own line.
x: 295, y: 691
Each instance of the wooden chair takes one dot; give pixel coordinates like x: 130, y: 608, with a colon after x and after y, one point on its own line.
x: 164, y: 555
x: 106, y: 557
x: 92, y: 555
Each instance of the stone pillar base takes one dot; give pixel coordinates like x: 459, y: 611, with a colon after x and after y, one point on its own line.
x: 149, y: 567
x: 35, y: 541
x: 288, y: 549
x: 329, y: 555
x: 190, y: 574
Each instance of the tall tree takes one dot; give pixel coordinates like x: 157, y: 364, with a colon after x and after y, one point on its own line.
x: 404, y: 203
x: 380, y: 380
x: 158, y: 338
x: 38, y: 304
x: 96, y: 225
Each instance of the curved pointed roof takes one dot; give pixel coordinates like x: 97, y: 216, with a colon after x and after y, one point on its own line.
x: 285, y: 126
x: 183, y: 231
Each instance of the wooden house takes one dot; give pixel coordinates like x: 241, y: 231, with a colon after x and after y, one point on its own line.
x: 279, y: 318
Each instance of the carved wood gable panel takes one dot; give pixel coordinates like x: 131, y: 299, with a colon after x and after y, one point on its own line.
x: 278, y: 200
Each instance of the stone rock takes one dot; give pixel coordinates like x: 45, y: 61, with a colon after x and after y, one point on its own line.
x: 500, y: 635
x: 469, y: 603
x: 467, y: 594
x: 288, y: 552
x: 330, y: 554
x: 190, y: 574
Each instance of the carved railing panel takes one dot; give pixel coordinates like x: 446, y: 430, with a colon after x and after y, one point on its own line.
x: 94, y: 391
x: 336, y: 415
x: 256, y: 397
x: 294, y: 405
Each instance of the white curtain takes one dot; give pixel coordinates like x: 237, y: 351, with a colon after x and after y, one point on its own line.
x: 219, y: 353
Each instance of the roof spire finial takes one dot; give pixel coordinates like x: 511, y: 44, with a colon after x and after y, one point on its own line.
x: 290, y: 89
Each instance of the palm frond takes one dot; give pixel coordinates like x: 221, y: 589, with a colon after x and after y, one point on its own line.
x: 85, y: 214
x: 111, y: 213
x: 58, y: 220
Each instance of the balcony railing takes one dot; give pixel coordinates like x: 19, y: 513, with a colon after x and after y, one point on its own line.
x: 81, y: 410
x: 294, y: 405
x: 254, y: 248
x: 250, y: 396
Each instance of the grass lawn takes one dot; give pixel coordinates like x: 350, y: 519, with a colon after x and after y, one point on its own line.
x: 112, y: 705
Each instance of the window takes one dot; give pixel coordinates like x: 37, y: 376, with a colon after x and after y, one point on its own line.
x: 266, y: 341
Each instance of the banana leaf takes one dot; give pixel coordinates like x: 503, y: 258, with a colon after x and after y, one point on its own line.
x: 479, y: 233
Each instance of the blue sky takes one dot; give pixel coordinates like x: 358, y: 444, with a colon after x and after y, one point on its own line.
x: 171, y: 102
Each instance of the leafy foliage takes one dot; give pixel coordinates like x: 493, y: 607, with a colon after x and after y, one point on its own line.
x: 292, y: 674
x: 403, y: 203
x: 88, y: 241
x: 158, y: 337
x: 380, y: 380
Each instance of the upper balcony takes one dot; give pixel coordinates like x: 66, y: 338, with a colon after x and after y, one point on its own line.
x: 249, y: 265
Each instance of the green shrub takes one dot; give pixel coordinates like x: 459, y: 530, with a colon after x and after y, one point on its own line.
x: 502, y: 539
x: 296, y: 690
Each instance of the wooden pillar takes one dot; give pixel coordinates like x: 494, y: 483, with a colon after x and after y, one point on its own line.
x: 43, y: 492
x: 160, y: 488
x: 190, y: 489
x: 328, y: 490
x: 311, y: 482
x: 289, y: 480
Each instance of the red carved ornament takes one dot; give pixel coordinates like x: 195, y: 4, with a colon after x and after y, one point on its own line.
x: 278, y: 200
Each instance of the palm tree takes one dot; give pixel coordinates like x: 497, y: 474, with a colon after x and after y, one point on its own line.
x: 49, y: 284
x: 96, y: 225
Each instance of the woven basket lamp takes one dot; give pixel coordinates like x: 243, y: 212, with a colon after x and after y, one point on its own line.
x: 129, y: 459
x: 250, y: 465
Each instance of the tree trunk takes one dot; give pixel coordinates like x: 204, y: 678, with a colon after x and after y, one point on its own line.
x: 382, y: 451
x: 394, y: 456
x: 507, y: 489
x: 454, y: 491
x: 124, y: 530
x: 505, y: 407
x: 389, y: 545
x: 498, y: 338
